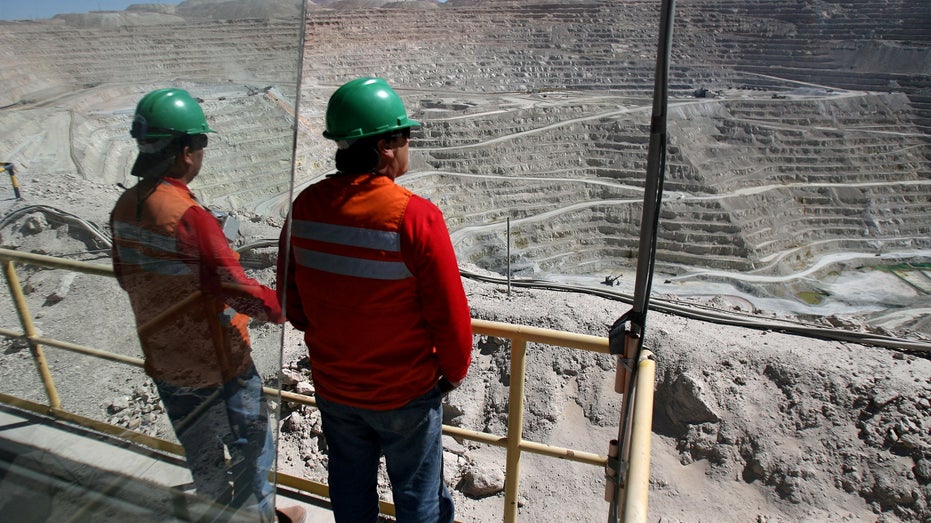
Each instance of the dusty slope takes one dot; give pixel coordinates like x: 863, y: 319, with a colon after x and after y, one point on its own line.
x: 749, y: 425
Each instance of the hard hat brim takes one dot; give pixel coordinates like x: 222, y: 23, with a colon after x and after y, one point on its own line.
x: 408, y: 123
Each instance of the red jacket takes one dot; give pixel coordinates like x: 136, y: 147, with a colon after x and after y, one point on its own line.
x: 165, y: 250
x: 372, y: 280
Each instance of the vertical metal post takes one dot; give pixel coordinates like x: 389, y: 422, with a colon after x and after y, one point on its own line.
x: 638, y: 484
x: 515, y: 428
x: 627, y: 340
x: 509, y: 253
x: 30, y: 331
x: 656, y: 166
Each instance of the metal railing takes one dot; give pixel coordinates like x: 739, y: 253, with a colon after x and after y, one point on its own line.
x: 635, y: 452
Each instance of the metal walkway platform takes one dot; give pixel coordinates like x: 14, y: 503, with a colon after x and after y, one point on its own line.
x: 55, y: 471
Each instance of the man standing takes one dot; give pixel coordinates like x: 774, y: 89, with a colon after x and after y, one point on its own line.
x: 192, y: 302
x: 369, y: 274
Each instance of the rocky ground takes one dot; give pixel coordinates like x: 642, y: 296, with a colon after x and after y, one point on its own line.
x: 749, y: 425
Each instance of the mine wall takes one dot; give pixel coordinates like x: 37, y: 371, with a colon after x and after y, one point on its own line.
x: 782, y: 120
x: 794, y: 130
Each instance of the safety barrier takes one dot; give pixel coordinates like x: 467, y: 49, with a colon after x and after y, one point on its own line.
x: 634, y: 452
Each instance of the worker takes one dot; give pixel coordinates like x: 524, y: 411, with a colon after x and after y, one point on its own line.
x: 368, y: 272
x: 192, y: 301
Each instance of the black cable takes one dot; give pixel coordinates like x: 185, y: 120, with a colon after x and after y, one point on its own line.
x: 711, y: 315
x: 61, y: 215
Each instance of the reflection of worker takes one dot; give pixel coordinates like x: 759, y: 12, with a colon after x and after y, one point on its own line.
x: 372, y: 280
x: 192, y: 299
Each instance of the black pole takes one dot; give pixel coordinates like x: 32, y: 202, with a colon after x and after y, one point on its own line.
x: 621, y: 336
x: 656, y: 167
x: 508, y: 240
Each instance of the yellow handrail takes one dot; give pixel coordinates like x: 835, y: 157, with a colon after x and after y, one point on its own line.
x: 636, y: 482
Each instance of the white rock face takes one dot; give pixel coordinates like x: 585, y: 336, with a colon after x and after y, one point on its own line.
x: 777, y: 184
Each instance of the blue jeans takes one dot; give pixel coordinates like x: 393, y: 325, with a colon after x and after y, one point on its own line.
x: 410, y: 438
x: 231, y: 416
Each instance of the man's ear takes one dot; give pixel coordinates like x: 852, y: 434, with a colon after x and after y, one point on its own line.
x: 385, y: 149
x: 185, y: 155
x: 183, y: 160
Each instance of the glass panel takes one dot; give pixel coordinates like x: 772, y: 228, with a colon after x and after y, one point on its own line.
x: 537, y: 124
x: 210, y: 91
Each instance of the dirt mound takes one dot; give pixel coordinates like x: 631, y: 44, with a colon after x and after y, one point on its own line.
x: 798, y: 427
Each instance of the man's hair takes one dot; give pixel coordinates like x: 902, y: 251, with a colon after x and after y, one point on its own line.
x: 360, y: 157
x: 157, y: 154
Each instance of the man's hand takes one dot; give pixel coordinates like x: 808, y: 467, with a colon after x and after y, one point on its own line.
x: 447, y: 386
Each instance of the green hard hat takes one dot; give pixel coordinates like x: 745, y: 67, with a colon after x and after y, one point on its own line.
x: 168, y: 112
x: 365, y: 107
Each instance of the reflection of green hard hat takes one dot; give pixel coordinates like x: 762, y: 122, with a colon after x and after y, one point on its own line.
x: 168, y: 112
x: 365, y: 107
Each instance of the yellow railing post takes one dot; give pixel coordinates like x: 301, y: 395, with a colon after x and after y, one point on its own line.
x: 515, y: 428
x: 29, y: 330
x: 638, y: 473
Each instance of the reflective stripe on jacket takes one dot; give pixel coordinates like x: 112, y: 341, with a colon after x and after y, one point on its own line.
x: 205, y: 342
x: 373, y: 281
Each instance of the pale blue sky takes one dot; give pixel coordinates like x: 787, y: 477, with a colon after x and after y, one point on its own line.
x: 34, y: 9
